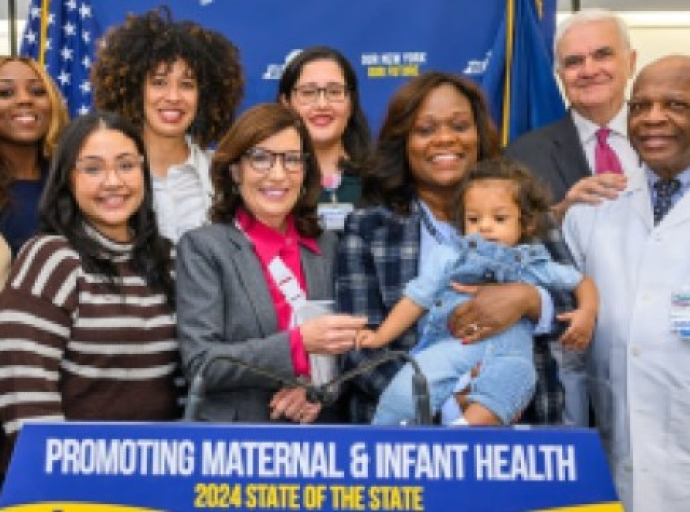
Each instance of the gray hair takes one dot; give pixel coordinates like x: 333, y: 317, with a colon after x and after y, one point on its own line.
x: 588, y: 16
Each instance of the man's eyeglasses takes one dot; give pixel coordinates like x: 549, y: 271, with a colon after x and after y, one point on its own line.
x: 97, y: 169
x: 309, y: 94
x: 263, y: 160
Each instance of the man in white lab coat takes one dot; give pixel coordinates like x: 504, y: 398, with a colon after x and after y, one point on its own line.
x: 637, y: 249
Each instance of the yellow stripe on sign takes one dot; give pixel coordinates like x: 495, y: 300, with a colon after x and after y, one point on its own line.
x: 595, y: 507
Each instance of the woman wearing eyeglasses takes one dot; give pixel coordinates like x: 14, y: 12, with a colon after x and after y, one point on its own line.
x: 321, y: 86
x: 88, y: 326
x: 241, y: 279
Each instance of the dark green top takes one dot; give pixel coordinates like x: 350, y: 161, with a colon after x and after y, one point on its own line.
x: 349, y: 191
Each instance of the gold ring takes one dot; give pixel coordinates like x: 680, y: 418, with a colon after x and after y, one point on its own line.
x: 473, y: 328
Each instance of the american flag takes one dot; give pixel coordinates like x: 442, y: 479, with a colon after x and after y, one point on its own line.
x: 62, y: 35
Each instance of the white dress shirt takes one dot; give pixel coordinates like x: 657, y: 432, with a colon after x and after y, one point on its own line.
x: 182, y: 198
x: 617, y: 139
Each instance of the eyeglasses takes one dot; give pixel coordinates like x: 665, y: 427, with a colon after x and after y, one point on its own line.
x: 309, y: 94
x: 97, y: 169
x: 263, y: 160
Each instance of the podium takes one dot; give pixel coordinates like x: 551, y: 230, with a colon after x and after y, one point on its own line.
x: 200, y: 466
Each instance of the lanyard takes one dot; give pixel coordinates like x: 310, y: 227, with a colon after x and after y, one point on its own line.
x: 429, y: 225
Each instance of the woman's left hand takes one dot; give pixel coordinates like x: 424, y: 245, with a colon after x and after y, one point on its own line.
x: 292, y: 404
x: 492, y: 309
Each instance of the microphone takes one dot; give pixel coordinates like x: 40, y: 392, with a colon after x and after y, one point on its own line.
x: 197, y: 388
x: 420, y: 387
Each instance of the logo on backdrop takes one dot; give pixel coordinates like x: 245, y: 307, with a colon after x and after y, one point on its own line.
x: 393, y: 64
x: 477, y: 67
x: 274, y: 71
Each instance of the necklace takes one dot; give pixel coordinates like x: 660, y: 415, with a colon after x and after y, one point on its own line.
x: 331, y: 183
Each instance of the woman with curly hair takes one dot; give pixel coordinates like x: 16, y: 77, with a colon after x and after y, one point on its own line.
x: 180, y: 84
x: 32, y: 115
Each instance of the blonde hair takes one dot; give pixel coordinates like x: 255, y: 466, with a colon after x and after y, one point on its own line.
x: 58, y: 114
x: 58, y: 120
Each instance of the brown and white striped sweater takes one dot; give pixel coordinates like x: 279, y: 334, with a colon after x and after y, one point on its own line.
x: 72, y: 348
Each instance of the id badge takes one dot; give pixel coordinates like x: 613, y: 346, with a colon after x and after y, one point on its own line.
x: 333, y: 215
x: 680, y: 312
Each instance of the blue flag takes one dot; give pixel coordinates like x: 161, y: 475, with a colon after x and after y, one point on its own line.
x: 519, y: 79
x: 62, y: 35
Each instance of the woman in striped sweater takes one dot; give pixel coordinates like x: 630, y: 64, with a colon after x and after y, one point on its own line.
x: 87, y: 325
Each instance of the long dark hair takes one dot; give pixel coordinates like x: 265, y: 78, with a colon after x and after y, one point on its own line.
x: 60, y: 214
x: 357, y: 136
x: 390, y: 181
x: 254, y: 126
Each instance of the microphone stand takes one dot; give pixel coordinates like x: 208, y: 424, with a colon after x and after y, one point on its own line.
x: 420, y: 387
x: 197, y: 388
x: 322, y: 394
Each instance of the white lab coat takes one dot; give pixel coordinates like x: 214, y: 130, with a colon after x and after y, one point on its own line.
x: 636, y: 369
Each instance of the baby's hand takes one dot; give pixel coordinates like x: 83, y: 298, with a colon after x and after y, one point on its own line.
x: 366, y: 339
x: 579, y: 333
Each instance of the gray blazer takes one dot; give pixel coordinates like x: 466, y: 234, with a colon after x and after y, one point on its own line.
x: 224, y: 307
x: 554, y: 154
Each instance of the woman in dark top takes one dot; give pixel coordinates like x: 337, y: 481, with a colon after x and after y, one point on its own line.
x: 321, y: 86
x: 31, y: 117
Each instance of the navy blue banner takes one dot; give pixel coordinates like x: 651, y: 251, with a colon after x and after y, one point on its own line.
x: 387, y: 41
x: 267, y: 467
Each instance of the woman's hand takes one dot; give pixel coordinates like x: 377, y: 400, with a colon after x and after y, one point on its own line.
x: 292, y: 404
x: 492, y: 309
x: 331, y: 334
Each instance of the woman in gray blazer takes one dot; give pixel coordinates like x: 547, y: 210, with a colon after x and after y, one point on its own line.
x: 240, y: 279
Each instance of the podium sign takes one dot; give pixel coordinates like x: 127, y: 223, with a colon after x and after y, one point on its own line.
x: 196, y: 466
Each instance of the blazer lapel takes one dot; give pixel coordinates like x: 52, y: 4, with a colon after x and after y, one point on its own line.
x: 640, y: 199
x: 567, y: 153
x: 253, y: 282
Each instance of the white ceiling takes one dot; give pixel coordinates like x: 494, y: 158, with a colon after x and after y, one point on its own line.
x: 628, y: 5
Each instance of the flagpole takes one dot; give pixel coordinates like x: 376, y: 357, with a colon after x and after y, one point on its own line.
x: 510, y: 34
x: 12, y: 20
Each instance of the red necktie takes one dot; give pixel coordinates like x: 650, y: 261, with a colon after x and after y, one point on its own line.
x: 605, y: 158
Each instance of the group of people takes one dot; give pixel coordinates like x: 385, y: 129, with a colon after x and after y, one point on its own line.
x: 139, y: 256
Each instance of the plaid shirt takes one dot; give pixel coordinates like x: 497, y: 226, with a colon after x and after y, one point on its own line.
x: 378, y: 254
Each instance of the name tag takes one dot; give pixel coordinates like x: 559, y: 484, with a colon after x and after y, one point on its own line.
x: 333, y: 215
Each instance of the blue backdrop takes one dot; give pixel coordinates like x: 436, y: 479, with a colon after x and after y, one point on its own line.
x: 387, y: 41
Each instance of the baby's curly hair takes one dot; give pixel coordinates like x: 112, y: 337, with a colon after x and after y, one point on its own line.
x: 531, y: 195
x: 132, y: 51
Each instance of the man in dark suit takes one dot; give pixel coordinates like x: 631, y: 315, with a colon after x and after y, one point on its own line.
x: 594, y: 62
